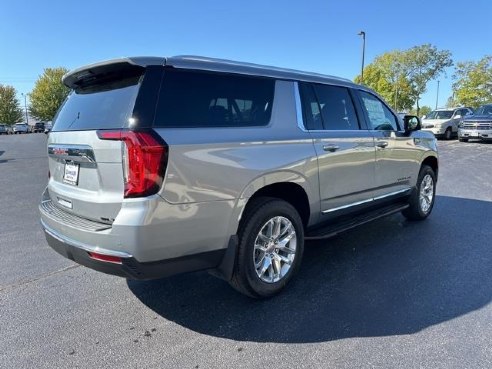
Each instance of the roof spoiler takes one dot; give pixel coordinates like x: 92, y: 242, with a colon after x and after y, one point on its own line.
x: 108, y: 69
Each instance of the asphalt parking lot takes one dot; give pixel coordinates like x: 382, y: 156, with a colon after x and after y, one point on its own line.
x: 390, y: 294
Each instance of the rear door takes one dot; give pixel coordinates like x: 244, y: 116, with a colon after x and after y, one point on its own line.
x: 346, y: 154
x: 86, y: 173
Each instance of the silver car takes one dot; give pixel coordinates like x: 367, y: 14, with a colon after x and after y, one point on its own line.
x: 478, y: 126
x: 21, y: 128
x: 161, y: 166
x: 444, y: 122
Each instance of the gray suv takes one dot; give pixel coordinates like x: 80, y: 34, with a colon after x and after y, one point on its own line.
x: 161, y: 166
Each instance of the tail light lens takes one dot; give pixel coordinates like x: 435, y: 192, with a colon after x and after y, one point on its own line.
x: 145, y: 160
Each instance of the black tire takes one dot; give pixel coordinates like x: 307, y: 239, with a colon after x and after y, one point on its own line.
x: 245, y: 278
x: 448, y: 134
x: 463, y: 139
x: 415, y: 211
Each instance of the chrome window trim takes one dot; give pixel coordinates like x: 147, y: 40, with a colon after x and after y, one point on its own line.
x: 366, y: 201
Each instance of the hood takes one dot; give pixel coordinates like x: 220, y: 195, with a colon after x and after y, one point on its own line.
x: 435, y: 121
x: 478, y: 118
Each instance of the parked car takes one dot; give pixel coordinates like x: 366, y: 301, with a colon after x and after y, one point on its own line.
x: 444, y: 122
x: 21, y: 128
x: 38, y: 127
x: 47, y: 127
x: 477, y: 126
x: 197, y: 163
x: 4, y: 129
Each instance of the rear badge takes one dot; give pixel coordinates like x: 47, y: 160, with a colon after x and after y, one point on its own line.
x: 65, y: 203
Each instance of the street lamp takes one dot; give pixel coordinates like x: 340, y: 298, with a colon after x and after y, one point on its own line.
x: 437, y: 96
x: 25, y: 106
x: 363, y: 34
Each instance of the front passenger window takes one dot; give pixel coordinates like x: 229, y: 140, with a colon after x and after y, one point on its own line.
x: 380, y: 117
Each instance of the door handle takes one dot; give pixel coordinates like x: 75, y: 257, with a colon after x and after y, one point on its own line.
x: 382, y: 144
x: 331, y: 147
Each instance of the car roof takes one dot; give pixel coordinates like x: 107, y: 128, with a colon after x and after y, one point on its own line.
x: 212, y: 64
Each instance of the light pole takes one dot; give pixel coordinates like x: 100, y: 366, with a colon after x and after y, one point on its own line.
x: 363, y: 34
x: 437, y: 96
x: 25, y: 106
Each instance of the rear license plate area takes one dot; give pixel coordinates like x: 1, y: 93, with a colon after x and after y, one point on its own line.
x: 71, y: 173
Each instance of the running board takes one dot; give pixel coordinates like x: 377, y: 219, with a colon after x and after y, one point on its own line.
x: 336, y: 228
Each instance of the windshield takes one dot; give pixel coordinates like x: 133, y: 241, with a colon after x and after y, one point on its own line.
x: 484, y: 110
x: 440, y: 114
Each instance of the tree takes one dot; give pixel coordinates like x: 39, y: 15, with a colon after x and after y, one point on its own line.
x: 424, y: 110
x: 48, y: 94
x: 10, y: 112
x: 422, y: 64
x: 384, y: 75
x: 473, y: 82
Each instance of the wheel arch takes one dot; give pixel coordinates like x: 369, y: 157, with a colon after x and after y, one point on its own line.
x: 432, y: 162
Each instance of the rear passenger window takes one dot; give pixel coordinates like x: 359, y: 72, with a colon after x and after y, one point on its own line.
x: 203, y: 99
x: 328, y: 107
x: 380, y: 117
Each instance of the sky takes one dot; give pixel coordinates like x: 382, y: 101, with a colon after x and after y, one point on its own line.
x: 311, y: 35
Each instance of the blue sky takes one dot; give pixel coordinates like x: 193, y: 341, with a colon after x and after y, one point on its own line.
x: 319, y: 36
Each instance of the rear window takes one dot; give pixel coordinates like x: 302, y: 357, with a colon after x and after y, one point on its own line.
x: 204, y: 99
x: 98, y: 106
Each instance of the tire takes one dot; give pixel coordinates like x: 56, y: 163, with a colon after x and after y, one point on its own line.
x: 262, y: 269
x: 422, y: 199
x: 463, y: 139
x: 448, y: 134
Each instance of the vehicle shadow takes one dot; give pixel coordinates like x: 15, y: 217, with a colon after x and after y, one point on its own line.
x: 389, y: 277
x: 2, y: 161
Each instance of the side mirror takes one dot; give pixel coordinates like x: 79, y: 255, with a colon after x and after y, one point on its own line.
x: 457, y: 116
x: 424, y: 116
x: 411, y: 123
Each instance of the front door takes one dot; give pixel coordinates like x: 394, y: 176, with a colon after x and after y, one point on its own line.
x: 397, y: 157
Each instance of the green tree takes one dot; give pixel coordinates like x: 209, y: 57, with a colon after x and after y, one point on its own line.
x: 451, y: 102
x: 422, y: 64
x: 473, y: 82
x: 385, y: 76
x: 48, y: 94
x: 424, y: 110
x: 10, y: 112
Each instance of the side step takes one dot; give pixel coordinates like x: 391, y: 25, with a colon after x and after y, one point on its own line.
x: 333, y: 229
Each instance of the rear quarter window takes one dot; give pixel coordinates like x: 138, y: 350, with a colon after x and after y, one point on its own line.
x: 204, y: 99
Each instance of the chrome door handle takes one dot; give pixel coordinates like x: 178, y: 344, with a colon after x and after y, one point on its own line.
x: 331, y: 147
x: 382, y: 144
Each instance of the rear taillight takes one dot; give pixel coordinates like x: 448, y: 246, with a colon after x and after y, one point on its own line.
x: 144, y: 161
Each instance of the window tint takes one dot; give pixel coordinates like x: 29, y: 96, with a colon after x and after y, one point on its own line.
x: 201, y: 99
x: 328, y: 107
x: 380, y: 117
x: 337, y: 109
x: 310, y: 107
x: 107, y: 105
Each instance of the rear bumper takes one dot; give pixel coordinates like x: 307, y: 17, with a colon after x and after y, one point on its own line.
x: 129, y: 266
